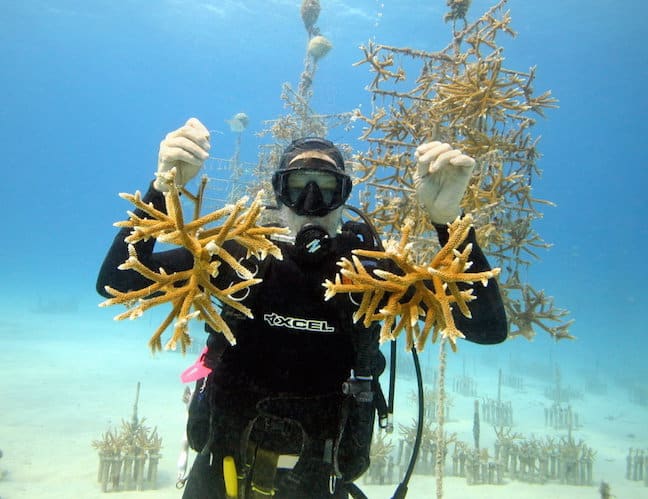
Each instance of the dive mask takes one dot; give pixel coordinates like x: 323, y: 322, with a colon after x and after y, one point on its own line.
x: 311, y: 186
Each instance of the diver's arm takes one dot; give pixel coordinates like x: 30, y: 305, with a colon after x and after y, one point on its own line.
x: 125, y: 280
x: 183, y: 150
x: 488, y: 324
x: 442, y: 177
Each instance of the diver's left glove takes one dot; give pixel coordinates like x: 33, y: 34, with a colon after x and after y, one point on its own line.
x: 184, y: 149
x: 442, y: 176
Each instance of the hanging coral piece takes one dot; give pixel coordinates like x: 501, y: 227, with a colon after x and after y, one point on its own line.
x: 319, y: 46
x: 310, y: 11
x: 239, y: 122
x: 458, y: 10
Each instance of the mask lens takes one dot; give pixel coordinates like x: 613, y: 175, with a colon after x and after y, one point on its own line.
x: 311, y: 191
x: 328, y: 184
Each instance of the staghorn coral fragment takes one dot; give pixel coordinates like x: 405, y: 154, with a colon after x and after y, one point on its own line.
x: 416, y: 293
x: 536, y: 309
x: 191, y: 293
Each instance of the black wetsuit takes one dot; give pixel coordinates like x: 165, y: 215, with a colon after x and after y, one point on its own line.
x: 293, y: 356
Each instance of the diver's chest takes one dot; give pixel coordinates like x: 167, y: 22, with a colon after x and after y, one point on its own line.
x: 292, y: 298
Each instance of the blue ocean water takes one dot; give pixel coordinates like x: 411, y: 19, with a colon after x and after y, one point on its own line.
x: 89, y: 88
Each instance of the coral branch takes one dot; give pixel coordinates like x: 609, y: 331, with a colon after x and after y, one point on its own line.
x: 415, y: 292
x: 192, y: 293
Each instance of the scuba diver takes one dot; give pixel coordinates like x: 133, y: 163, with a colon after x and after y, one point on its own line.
x: 293, y: 403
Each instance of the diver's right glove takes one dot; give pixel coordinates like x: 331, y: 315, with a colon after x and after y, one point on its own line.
x: 184, y: 149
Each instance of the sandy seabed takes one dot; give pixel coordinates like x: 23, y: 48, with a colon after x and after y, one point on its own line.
x: 68, y: 381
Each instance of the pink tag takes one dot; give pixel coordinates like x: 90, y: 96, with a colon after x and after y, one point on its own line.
x: 197, y: 371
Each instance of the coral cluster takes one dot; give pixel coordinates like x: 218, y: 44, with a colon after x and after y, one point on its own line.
x: 191, y: 292
x: 637, y: 465
x: 539, y: 461
x: 123, y: 455
x: 413, y: 294
x: 463, y: 95
x: 384, y: 468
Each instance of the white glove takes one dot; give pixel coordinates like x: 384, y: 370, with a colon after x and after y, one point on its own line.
x: 184, y: 149
x: 442, y: 176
